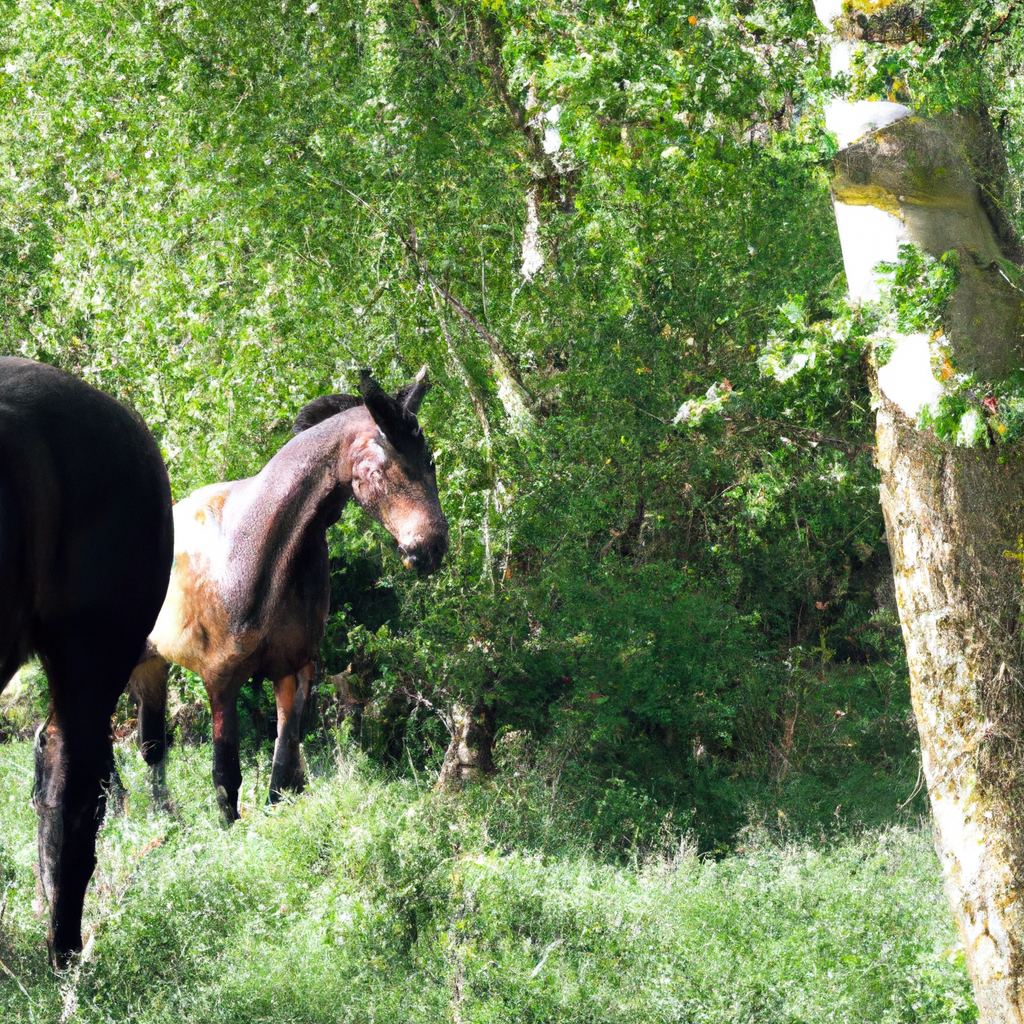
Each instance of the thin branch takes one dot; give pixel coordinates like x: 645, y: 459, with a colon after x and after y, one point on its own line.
x: 427, y: 25
x: 644, y: 412
x: 497, y: 349
x: 990, y: 32
x: 411, y: 246
x: 474, y: 396
x: 483, y: 281
x: 920, y: 780
x: 375, y: 297
x: 815, y: 436
x: 24, y: 991
x: 420, y: 701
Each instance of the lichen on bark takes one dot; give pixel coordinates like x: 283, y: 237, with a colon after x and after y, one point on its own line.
x: 952, y: 517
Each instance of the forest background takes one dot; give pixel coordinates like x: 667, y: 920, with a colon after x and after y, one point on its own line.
x: 606, y: 228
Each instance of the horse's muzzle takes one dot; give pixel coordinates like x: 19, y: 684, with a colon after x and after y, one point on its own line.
x: 427, y: 556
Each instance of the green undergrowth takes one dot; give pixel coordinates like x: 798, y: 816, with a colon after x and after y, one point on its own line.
x: 375, y: 899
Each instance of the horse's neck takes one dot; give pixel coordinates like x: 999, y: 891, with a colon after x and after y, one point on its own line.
x: 271, y: 519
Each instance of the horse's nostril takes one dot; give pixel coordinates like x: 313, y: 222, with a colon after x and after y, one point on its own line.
x: 425, y: 555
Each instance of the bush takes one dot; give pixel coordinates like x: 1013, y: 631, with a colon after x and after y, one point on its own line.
x: 369, y: 899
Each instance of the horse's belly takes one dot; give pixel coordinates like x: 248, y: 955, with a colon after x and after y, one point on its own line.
x: 292, y: 644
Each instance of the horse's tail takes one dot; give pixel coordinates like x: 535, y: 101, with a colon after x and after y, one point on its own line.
x: 15, y: 598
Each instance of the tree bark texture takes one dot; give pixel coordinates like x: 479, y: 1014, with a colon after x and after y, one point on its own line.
x: 954, y: 515
x: 470, y: 753
x: 953, y: 518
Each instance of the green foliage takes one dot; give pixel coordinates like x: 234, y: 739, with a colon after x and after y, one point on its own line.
x: 916, y: 296
x: 379, y: 900
x: 953, y: 55
x: 814, y: 353
x: 668, y: 568
x: 217, y: 215
x: 969, y: 411
x: 799, y: 342
x: 23, y: 702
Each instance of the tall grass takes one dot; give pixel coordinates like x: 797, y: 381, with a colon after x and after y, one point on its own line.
x: 375, y: 900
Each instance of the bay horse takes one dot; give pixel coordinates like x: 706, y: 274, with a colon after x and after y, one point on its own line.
x: 250, y: 587
x: 85, y: 554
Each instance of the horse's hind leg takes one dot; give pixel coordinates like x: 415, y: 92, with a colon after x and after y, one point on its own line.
x: 148, y: 686
x: 291, y: 694
x: 74, y: 757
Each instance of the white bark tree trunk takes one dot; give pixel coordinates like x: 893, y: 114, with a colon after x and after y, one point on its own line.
x: 954, y: 515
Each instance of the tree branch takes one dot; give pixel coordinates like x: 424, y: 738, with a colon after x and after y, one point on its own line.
x: 990, y: 32
x: 496, y: 347
x: 815, y: 436
x: 474, y: 396
x: 490, y: 46
x: 515, y: 397
x: 427, y: 24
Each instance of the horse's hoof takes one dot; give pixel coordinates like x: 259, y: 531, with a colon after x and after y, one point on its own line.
x: 62, y: 960
x: 228, y: 813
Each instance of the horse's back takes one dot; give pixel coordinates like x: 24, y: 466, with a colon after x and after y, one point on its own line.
x: 198, y: 517
x: 85, y: 531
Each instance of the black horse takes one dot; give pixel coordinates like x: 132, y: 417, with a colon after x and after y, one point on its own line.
x: 85, y: 554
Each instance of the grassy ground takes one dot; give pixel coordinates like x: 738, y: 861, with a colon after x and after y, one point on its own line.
x: 375, y: 900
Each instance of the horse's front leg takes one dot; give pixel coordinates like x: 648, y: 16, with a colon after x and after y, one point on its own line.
x: 73, y: 761
x: 227, y: 771
x: 291, y: 694
x: 148, y: 686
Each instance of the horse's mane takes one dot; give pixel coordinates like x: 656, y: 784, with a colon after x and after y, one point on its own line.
x: 323, y: 408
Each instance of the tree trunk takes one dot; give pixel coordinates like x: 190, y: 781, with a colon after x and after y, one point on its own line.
x: 954, y: 515
x: 469, y: 754
x: 950, y: 515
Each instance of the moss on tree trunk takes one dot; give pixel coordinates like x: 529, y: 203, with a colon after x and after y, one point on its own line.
x: 953, y: 517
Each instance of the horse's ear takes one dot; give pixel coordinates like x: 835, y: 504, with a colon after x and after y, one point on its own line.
x: 411, y: 395
x: 323, y: 408
x: 385, y: 410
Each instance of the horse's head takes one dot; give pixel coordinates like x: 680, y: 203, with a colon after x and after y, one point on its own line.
x: 391, y: 468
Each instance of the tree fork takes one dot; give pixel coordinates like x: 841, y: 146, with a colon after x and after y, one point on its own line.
x: 470, y: 753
